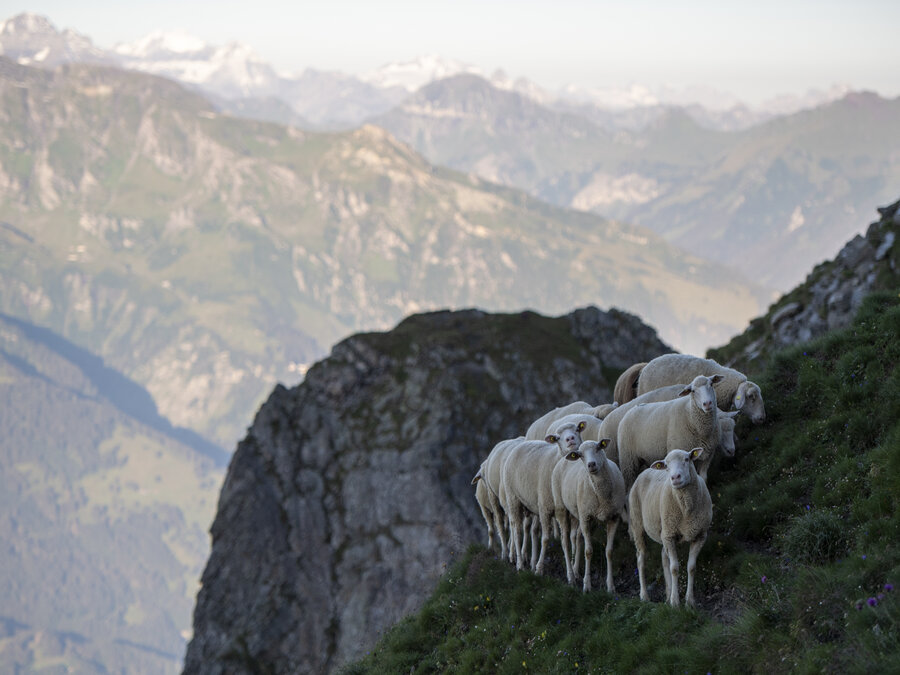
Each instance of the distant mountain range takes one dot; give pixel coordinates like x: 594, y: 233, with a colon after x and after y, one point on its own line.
x: 234, y: 72
x: 208, y: 257
x: 771, y: 201
x: 769, y: 191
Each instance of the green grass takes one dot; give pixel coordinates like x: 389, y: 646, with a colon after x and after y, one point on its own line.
x: 798, y: 574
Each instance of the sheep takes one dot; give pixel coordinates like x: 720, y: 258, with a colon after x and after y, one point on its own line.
x: 541, y: 426
x: 482, y: 496
x: 624, y: 391
x: 726, y: 436
x: 587, y: 425
x: 648, y: 432
x: 734, y: 390
x: 671, y: 503
x: 590, y: 489
x: 609, y: 426
x: 525, y: 485
x: 489, y: 475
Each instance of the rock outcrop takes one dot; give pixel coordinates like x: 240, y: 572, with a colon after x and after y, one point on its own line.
x: 351, y: 492
x: 828, y: 299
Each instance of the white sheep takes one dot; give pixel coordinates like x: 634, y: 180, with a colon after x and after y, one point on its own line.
x: 482, y: 496
x: 671, y: 503
x: 626, y: 386
x: 489, y: 475
x: 541, y: 426
x: 586, y: 424
x: 609, y: 426
x: 733, y: 390
x: 525, y: 486
x: 647, y: 432
x: 586, y: 490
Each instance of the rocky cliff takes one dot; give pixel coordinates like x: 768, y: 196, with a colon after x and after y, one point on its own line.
x: 829, y: 297
x: 351, y: 491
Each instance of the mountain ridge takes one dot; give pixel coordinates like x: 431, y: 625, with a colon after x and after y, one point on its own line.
x: 234, y: 252
x: 224, y: 73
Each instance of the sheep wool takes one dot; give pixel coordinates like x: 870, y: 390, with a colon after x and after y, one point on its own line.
x: 670, y: 503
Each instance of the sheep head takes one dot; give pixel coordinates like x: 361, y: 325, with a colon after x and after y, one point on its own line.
x: 701, y: 389
x: 748, y: 400
x: 680, y: 466
x: 591, y: 453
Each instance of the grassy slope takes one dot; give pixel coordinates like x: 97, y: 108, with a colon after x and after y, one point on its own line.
x: 796, y: 573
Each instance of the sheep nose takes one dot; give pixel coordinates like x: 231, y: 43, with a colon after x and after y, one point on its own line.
x: 592, y: 465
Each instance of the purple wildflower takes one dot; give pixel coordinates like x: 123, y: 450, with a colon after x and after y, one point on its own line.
x: 889, y: 587
x: 763, y: 580
x: 872, y: 602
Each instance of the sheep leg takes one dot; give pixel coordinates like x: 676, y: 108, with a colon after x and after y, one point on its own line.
x: 511, y: 546
x: 489, y: 523
x: 516, y: 526
x: 522, y: 544
x: 640, y: 546
x: 534, y: 538
x: 588, y: 552
x: 696, y: 545
x: 499, y: 529
x: 672, y: 552
x: 577, y: 550
x: 545, y: 540
x: 666, y: 573
x: 562, y: 519
x: 611, y: 526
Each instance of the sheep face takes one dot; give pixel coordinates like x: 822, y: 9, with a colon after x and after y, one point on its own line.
x: 748, y: 399
x: 680, y: 466
x: 568, y: 437
x: 726, y: 432
x: 591, y: 453
x: 701, y: 390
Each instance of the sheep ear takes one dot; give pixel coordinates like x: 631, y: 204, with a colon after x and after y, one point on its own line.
x: 658, y: 465
x: 551, y: 438
x: 581, y: 426
x: 687, y: 390
x: 733, y: 414
x: 696, y: 453
x: 572, y: 456
x: 603, y: 442
x: 715, y: 379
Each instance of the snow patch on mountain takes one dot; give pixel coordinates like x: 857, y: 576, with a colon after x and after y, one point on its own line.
x: 411, y: 75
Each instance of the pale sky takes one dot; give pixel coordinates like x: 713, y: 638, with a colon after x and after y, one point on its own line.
x: 754, y: 50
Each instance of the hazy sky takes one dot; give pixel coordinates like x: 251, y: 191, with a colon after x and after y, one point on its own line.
x: 752, y: 49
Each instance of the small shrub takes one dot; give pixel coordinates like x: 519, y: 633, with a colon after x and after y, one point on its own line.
x: 818, y: 536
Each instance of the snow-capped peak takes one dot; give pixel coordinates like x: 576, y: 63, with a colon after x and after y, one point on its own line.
x: 412, y: 75
x: 27, y: 24
x: 161, y: 44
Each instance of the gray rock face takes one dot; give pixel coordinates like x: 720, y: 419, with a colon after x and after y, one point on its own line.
x: 831, y: 294
x: 351, y: 492
x: 836, y: 290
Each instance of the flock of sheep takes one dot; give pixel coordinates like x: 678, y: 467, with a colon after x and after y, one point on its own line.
x: 666, y: 417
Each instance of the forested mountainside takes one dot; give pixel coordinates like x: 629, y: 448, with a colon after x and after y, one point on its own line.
x: 104, y: 512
